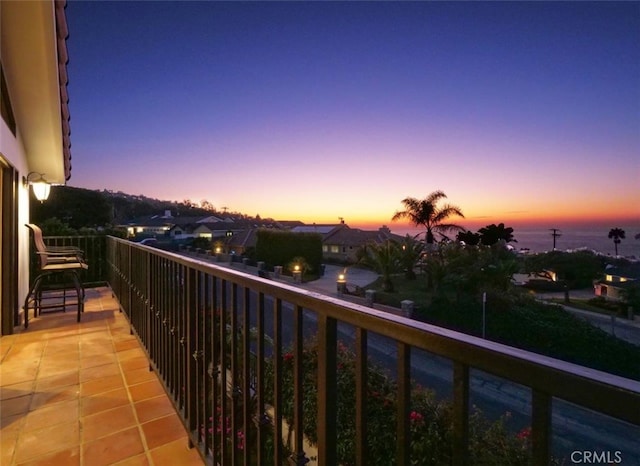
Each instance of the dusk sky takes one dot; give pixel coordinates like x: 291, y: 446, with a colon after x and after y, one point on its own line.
x: 519, y: 112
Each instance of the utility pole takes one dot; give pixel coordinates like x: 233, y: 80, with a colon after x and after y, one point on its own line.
x: 555, y: 233
x: 484, y: 315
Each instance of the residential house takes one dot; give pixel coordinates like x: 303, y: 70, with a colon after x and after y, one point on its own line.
x: 342, y: 244
x: 241, y: 242
x: 321, y: 229
x: 34, y: 131
x: 616, y: 280
x: 149, y: 225
x: 287, y: 224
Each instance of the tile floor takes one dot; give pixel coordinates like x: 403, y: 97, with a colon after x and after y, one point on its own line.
x: 82, y: 394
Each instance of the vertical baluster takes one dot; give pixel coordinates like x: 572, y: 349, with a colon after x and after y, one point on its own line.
x: 541, y: 427
x: 176, y: 307
x: 151, y: 277
x: 234, y: 372
x: 361, y: 396
x: 178, y: 370
x: 192, y: 366
x: 224, y: 413
x: 246, y: 375
x: 298, y: 455
x: 327, y: 423
x: 403, y: 439
x: 169, y: 308
x: 202, y: 370
x: 277, y: 383
x: 460, y: 414
x: 207, y: 362
x: 216, y: 392
x: 261, y: 419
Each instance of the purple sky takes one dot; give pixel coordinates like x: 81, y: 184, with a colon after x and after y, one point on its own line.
x: 314, y: 111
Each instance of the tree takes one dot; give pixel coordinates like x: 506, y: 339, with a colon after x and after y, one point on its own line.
x: 55, y: 227
x: 576, y: 269
x: 631, y: 296
x: 384, y: 258
x: 410, y: 252
x: 493, y: 233
x: 618, y: 235
x: 426, y: 212
x: 468, y: 237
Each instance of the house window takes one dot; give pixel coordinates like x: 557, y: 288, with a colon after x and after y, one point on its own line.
x: 334, y: 249
x: 325, y: 248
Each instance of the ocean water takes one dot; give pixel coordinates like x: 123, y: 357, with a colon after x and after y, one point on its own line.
x: 538, y: 239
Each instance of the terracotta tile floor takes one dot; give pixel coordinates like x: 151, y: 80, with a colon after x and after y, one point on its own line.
x: 82, y: 394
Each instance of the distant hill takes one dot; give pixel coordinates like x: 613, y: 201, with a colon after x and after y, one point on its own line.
x: 79, y: 207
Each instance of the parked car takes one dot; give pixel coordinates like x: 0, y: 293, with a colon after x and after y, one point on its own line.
x: 149, y: 242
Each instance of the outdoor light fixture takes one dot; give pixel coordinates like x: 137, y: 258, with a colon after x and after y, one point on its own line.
x: 341, y: 284
x: 296, y: 268
x: 41, y: 187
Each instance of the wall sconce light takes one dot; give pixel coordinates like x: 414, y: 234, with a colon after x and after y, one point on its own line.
x: 41, y: 187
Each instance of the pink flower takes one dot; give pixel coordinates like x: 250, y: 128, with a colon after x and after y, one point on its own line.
x: 416, y: 417
x: 524, y: 434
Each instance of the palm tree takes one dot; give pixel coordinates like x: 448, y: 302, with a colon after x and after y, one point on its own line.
x: 410, y: 253
x: 426, y: 212
x: 384, y: 258
x: 618, y: 235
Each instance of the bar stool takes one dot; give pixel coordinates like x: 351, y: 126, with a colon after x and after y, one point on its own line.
x: 61, y: 261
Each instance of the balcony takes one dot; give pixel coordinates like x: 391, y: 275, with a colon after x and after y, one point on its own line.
x: 244, y: 361
x: 82, y: 393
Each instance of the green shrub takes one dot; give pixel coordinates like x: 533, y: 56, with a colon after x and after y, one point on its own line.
x: 602, y: 303
x: 276, y: 247
x: 430, y: 419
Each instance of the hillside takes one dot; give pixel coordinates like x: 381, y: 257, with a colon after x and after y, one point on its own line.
x: 78, y: 207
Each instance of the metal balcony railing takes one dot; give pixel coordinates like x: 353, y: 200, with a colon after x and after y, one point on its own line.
x: 222, y: 340
x: 94, y: 249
